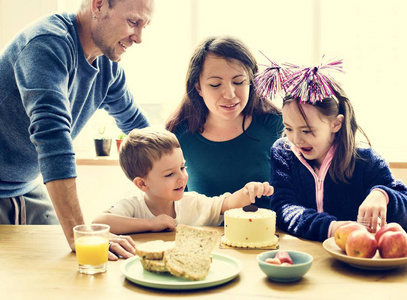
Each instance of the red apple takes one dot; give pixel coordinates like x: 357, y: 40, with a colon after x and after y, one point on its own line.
x: 342, y: 232
x: 388, y: 227
x: 393, y: 244
x: 361, y: 243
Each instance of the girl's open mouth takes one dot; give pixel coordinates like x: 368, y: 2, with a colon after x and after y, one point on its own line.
x: 306, y: 150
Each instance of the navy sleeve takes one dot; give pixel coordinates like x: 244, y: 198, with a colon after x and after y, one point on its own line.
x: 380, y: 177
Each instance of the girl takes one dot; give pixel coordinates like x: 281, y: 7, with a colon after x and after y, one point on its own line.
x: 225, y: 130
x: 321, y: 178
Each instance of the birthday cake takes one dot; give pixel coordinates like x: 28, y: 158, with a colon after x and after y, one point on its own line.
x: 250, y: 229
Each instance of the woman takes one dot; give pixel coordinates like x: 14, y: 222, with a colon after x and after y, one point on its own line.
x: 225, y: 130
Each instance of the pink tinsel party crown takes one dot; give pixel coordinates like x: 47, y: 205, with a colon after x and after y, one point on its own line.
x: 309, y: 84
x: 272, y: 80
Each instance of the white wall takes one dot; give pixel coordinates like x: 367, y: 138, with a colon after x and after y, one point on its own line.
x: 16, y: 14
x: 371, y: 37
x: 100, y: 187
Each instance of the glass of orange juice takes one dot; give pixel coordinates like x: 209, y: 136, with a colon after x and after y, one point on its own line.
x: 92, y: 247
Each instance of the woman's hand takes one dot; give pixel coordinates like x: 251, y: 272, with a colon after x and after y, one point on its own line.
x: 374, y: 207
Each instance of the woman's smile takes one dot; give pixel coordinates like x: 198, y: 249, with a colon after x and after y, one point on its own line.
x: 229, y: 107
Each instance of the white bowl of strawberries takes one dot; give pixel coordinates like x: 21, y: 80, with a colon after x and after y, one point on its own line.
x: 284, y: 266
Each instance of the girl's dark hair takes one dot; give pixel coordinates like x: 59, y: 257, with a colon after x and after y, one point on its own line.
x: 192, y: 108
x: 343, y: 162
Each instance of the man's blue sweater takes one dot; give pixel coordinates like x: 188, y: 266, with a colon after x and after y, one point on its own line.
x: 48, y: 91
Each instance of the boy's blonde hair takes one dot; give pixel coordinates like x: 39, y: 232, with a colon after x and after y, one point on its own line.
x: 142, y: 147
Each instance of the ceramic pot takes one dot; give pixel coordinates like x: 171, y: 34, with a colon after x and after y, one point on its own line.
x: 118, y: 143
x: 102, y: 147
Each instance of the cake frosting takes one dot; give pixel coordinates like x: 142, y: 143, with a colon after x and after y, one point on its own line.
x: 250, y: 229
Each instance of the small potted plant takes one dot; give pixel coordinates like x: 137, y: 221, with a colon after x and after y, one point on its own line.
x: 119, y: 140
x: 103, y: 142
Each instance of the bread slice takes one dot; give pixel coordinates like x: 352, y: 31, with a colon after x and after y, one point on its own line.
x: 153, y: 250
x: 191, y: 256
x: 154, y: 265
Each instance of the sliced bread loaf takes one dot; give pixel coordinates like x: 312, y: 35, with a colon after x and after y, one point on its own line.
x: 153, y: 250
x: 191, y: 256
x: 154, y: 265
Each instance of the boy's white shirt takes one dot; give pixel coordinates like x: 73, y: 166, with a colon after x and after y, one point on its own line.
x: 193, y: 209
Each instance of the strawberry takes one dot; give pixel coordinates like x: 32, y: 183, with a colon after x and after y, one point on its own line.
x: 284, y: 257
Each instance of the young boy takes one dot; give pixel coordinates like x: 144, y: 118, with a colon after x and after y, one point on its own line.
x: 152, y: 159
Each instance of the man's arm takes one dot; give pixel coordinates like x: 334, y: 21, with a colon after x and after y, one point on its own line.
x: 65, y: 199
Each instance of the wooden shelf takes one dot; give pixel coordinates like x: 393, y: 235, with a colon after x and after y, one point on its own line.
x: 88, y: 159
x: 398, y: 165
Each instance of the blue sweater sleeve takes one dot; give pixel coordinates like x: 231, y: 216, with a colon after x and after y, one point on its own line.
x: 294, y: 196
x: 119, y: 103
x: 42, y: 77
x: 379, y: 176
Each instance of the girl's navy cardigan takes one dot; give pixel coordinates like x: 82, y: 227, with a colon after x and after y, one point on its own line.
x: 294, y: 198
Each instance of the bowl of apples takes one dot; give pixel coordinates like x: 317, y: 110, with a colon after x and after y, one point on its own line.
x: 355, y: 245
x: 284, y: 266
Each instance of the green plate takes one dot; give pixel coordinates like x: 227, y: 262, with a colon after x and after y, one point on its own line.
x: 223, y: 269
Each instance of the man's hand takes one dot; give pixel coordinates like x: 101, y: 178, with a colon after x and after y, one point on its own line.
x: 121, y: 246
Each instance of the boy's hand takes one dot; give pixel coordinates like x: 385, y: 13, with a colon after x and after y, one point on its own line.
x: 257, y: 189
x: 162, y: 222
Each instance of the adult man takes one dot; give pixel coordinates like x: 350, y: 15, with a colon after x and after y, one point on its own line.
x: 54, y: 75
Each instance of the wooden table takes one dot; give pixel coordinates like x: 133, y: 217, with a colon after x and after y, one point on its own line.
x: 36, y: 263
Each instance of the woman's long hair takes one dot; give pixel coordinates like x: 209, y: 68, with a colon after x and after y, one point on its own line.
x: 192, y: 108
